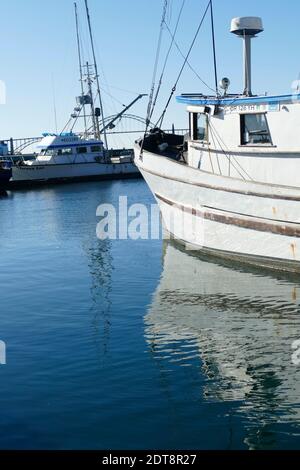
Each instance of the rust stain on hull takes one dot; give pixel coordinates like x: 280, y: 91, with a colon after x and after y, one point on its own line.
x: 247, y: 223
x: 294, y: 249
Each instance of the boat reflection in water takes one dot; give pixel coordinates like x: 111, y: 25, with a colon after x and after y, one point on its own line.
x: 229, y: 330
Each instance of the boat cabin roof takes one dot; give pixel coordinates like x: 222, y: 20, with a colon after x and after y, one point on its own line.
x: 67, y: 140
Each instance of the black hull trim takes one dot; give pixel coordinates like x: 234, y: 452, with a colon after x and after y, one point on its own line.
x: 273, y: 264
x: 30, y: 184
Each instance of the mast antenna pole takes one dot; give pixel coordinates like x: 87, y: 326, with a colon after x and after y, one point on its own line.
x: 97, y: 78
x: 80, y: 64
x: 214, y: 45
x: 90, y: 88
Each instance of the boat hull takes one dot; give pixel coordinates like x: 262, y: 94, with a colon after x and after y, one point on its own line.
x: 5, y: 175
x: 40, y: 174
x: 253, y: 222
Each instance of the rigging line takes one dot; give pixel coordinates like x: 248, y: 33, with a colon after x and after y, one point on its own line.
x: 233, y: 158
x: 66, y: 126
x: 188, y: 63
x: 104, y: 77
x: 123, y: 89
x: 167, y: 58
x: 220, y: 142
x: 161, y: 119
x: 214, y: 46
x: 224, y: 152
x: 54, y: 105
x: 80, y: 60
x: 165, y: 8
x: 76, y: 120
x: 113, y: 98
x: 96, y: 69
x: 214, y: 143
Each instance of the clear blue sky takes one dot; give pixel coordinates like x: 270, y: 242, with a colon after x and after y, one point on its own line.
x: 38, y: 54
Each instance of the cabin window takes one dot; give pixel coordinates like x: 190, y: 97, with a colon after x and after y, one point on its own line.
x: 50, y: 152
x: 81, y: 150
x: 199, y: 127
x: 96, y: 148
x: 66, y: 151
x: 255, y: 130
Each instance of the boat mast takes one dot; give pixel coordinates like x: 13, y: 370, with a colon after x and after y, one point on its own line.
x: 80, y: 65
x: 90, y: 88
x: 97, y: 80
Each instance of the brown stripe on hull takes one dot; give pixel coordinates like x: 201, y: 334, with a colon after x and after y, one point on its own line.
x: 257, y: 225
x: 222, y: 189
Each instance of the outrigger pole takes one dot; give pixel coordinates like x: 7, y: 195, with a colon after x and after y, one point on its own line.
x: 110, y: 124
x: 97, y: 79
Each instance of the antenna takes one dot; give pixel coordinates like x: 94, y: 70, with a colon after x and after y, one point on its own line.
x: 80, y: 64
x: 247, y: 28
x: 97, y: 79
x: 54, y: 105
x: 214, y: 46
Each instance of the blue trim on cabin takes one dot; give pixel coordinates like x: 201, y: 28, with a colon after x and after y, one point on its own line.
x: 194, y: 100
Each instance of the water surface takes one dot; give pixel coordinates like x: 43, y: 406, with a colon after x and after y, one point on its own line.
x: 137, y: 344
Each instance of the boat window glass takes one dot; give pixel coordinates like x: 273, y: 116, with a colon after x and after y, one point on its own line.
x: 66, y: 151
x: 50, y: 152
x: 96, y: 148
x: 255, y: 129
x: 200, y: 127
x: 81, y: 149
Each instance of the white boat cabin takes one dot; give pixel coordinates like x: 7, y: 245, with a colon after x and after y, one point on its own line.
x: 254, y: 138
x: 68, y: 148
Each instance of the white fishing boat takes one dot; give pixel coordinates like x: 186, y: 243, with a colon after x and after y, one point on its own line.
x: 232, y: 185
x: 69, y: 156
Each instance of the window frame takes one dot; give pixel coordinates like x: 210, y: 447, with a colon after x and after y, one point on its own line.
x: 67, y: 151
x: 96, y: 149
x: 81, y: 148
x: 243, y: 129
x: 194, y: 127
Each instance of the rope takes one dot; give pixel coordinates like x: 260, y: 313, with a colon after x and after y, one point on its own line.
x: 165, y: 8
x: 189, y: 64
x: 149, y: 109
x: 230, y: 158
x: 167, y: 58
x: 161, y: 119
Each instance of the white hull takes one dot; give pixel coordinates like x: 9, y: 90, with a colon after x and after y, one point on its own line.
x: 52, y: 172
x: 256, y: 222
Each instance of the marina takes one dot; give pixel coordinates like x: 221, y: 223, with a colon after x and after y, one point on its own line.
x: 149, y: 240
x: 75, y: 157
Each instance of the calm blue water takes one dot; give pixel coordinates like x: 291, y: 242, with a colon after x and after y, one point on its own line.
x: 136, y: 344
